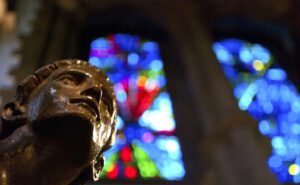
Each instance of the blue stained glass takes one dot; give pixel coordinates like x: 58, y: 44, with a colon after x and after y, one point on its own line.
x: 160, y: 116
x: 245, y: 55
x: 263, y: 89
x: 275, y: 161
x: 260, y: 53
x: 165, y: 151
x: 133, y: 59
x: 120, y: 123
x: 146, y: 146
x: 276, y: 74
x: 222, y: 54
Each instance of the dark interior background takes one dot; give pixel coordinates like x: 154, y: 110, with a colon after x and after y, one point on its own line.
x: 221, y: 144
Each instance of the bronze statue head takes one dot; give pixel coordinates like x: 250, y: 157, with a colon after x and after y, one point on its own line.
x: 55, y: 131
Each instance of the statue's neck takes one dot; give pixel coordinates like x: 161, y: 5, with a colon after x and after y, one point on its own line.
x: 83, y: 177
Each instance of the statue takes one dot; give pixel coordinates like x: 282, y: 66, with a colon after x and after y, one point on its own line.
x: 57, y: 128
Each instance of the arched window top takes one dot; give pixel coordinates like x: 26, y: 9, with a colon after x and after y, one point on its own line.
x: 262, y: 88
x: 146, y: 147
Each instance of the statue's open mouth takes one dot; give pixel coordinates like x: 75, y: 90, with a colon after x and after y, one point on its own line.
x: 14, y: 134
x: 9, y: 128
x: 12, y: 120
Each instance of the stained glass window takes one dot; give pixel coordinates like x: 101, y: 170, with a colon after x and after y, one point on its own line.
x: 146, y: 146
x: 262, y: 88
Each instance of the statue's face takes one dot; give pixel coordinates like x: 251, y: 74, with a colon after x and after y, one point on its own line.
x: 67, y: 124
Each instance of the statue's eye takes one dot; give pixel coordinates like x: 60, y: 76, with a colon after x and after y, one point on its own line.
x: 68, y: 80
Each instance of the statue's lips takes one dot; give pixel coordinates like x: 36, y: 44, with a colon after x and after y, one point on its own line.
x: 87, y: 103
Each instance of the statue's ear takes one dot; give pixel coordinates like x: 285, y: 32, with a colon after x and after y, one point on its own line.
x: 97, y: 166
x: 111, y: 140
x: 98, y: 163
x: 93, y: 170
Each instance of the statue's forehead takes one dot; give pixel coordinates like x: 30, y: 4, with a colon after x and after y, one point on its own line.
x: 52, y: 71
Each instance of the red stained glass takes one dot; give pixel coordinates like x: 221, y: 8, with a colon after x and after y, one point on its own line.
x: 139, y: 98
x: 126, y: 154
x: 130, y: 172
x: 113, y: 172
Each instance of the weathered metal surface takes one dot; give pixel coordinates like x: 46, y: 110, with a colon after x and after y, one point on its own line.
x: 55, y: 131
